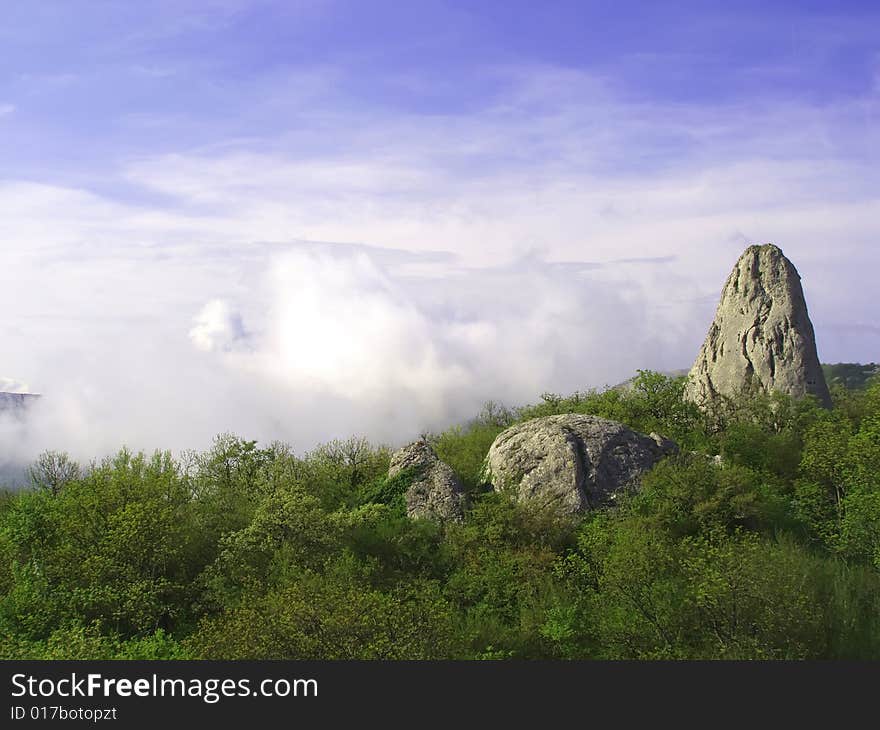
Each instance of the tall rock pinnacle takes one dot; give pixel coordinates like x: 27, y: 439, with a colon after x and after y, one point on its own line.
x: 762, y: 339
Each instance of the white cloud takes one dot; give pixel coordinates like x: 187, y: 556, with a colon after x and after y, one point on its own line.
x: 217, y: 327
x: 6, y: 109
x: 11, y: 385
x: 130, y: 316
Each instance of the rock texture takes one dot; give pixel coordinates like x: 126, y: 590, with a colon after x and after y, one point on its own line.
x: 436, y: 493
x: 762, y: 339
x: 571, y: 462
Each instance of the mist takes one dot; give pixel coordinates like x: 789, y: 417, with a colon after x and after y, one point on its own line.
x: 306, y: 342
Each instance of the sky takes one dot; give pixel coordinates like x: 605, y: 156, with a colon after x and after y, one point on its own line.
x: 305, y: 220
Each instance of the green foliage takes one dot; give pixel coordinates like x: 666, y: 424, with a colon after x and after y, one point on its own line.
x: 761, y: 539
x: 90, y: 643
x: 464, y: 448
x: 692, y: 495
x: 850, y: 375
x: 52, y: 470
x: 838, y: 493
x: 500, y: 579
x: 651, y: 402
x: 337, y: 472
x: 329, y: 617
x: 716, y: 595
x: 109, y: 547
x: 389, y: 491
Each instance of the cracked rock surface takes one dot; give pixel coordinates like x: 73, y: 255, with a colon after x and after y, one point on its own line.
x: 571, y: 462
x: 762, y: 339
x: 436, y: 492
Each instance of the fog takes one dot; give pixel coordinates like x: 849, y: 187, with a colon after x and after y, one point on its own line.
x: 306, y: 342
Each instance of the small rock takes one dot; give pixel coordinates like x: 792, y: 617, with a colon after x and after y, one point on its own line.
x: 436, y: 492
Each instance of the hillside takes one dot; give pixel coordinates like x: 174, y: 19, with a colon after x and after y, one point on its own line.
x: 16, y: 402
x: 850, y: 375
x: 730, y: 514
x: 768, y: 551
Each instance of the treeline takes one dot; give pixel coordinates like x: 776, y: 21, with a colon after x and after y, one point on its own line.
x: 761, y: 540
x: 849, y: 374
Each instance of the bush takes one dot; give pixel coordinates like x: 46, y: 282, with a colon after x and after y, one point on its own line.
x: 769, y: 550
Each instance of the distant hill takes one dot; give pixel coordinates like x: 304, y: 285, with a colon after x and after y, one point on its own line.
x: 627, y: 385
x: 12, y: 473
x: 16, y: 401
x: 852, y: 375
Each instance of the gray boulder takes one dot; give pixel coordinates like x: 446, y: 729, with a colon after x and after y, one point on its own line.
x: 762, y: 339
x: 436, y: 492
x: 571, y: 462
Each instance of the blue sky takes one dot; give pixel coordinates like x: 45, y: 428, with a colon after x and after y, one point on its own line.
x: 94, y: 82
x: 508, y: 197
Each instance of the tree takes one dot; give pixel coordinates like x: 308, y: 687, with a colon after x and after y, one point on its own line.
x: 53, y: 470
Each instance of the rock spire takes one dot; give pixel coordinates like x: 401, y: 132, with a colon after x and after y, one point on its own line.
x: 762, y: 339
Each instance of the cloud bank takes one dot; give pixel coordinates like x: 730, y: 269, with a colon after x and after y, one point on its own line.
x: 286, y: 287
x: 323, y: 341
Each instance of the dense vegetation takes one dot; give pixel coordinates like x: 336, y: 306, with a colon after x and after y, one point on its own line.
x: 770, y: 551
x: 850, y: 374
